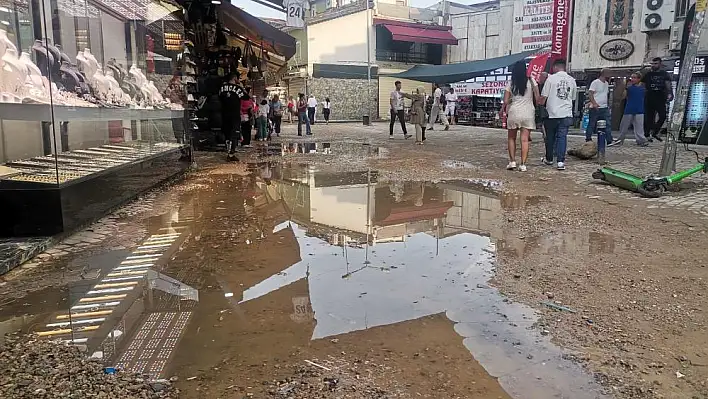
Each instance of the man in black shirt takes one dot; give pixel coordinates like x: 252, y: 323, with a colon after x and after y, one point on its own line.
x: 658, y: 94
x: 230, y: 95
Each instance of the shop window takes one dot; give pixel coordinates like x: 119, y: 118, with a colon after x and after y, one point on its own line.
x: 77, y: 119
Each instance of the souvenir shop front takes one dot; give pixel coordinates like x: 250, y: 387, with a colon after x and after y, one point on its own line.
x: 241, y: 44
x: 479, y: 100
x: 98, y: 99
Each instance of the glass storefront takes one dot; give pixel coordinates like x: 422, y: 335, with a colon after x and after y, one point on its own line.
x: 101, y: 101
x: 92, y: 108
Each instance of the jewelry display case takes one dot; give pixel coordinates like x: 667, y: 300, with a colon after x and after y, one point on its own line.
x: 85, y: 122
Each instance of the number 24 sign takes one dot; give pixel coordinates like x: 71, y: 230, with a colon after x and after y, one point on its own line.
x: 295, y: 11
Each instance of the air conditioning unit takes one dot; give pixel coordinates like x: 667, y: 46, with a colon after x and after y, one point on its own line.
x: 657, y: 15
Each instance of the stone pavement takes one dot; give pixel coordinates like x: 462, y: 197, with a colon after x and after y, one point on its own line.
x: 644, y: 161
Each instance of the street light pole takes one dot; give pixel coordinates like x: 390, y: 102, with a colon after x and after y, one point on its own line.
x: 368, y: 61
x: 668, y: 158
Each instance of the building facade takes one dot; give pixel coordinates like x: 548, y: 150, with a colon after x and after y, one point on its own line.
x: 391, y: 37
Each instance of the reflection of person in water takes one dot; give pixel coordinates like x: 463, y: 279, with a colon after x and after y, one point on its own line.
x: 400, y: 195
x: 266, y: 173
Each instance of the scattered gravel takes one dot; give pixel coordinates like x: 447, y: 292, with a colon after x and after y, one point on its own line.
x: 342, y: 381
x: 35, y: 368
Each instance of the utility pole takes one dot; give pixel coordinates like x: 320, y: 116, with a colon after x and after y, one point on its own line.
x: 368, y: 60
x: 668, y: 158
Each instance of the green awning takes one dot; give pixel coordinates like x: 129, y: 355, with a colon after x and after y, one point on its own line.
x: 452, y: 73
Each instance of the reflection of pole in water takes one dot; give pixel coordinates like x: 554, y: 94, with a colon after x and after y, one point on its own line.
x: 437, y: 237
x: 368, y: 213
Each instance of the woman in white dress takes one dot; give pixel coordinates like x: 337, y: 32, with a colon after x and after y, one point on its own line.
x: 520, y: 112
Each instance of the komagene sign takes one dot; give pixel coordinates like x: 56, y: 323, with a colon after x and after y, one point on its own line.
x: 561, y: 28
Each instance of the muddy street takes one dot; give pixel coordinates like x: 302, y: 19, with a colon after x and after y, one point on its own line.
x: 352, y: 266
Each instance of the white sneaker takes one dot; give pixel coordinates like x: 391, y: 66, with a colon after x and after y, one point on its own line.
x: 522, y: 168
x: 560, y: 166
x: 511, y: 166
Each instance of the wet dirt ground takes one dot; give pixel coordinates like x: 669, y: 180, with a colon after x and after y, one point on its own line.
x: 398, y: 271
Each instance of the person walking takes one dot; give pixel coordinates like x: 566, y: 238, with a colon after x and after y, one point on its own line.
x: 633, y: 116
x: 302, y: 116
x: 541, y: 113
x: 263, y: 112
x: 558, y: 94
x: 277, y: 114
x: 247, y: 119
x: 397, y: 111
x: 326, y: 109
x: 231, y: 95
x: 450, y: 103
x: 311, y: 108
x: 291, y: 109
x: 417, y: 113
x: 658, y: 94
x: 436, y: 108
x: 599, y: 92
x: 520, y: 112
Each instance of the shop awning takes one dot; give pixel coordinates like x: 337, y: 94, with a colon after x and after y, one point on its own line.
x: 241, y: 22
x: 452, y: 73
x: 420, y: 34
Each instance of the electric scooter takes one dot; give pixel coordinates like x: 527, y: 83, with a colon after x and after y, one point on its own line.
x: 650, y: 187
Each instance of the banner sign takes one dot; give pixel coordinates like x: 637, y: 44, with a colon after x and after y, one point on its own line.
x: 561, y: 28
x: 537, y: 29
x: 537, y: 65
x: 481, y: 89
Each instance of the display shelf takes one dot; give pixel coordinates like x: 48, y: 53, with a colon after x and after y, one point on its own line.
x: 42, y: 198
x: 63, y: 113
x: 43, y: 170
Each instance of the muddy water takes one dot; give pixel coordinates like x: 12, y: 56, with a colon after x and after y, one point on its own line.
x: 266, y: 267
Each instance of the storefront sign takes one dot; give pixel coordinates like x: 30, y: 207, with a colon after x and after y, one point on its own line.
x: 561, y: 28
x: 699, y: 65
x: 482, y: 89
x: 616, y: 49
x: 537, y: 26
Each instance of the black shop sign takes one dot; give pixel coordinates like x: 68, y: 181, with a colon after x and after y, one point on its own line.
x: 699, y: 66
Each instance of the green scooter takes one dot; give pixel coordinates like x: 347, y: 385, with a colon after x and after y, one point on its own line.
x: 650, y: 187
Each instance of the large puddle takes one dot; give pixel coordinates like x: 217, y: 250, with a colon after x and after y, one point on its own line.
x: 262, y: 267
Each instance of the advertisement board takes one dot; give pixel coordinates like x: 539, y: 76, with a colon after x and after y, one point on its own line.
x: 537, y: 30
x: 481, y: 89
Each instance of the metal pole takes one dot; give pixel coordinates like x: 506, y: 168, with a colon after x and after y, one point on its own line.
x: 368, y: 62
x: 668, y: 158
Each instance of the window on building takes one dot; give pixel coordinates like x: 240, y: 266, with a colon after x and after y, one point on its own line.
x: 682, y: 7
x: 391, y: 50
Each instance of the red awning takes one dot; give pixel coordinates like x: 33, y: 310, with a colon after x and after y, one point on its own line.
x: 420, y: 35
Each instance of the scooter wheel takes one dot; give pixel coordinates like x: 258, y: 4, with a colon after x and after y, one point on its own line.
x: 598, y: 175
x: 651, y: 190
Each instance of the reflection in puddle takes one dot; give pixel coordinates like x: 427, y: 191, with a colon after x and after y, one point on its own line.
x: 379, y: 253
x: 338, y: 148
x: 550, y: 244
x: 364, y: 253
